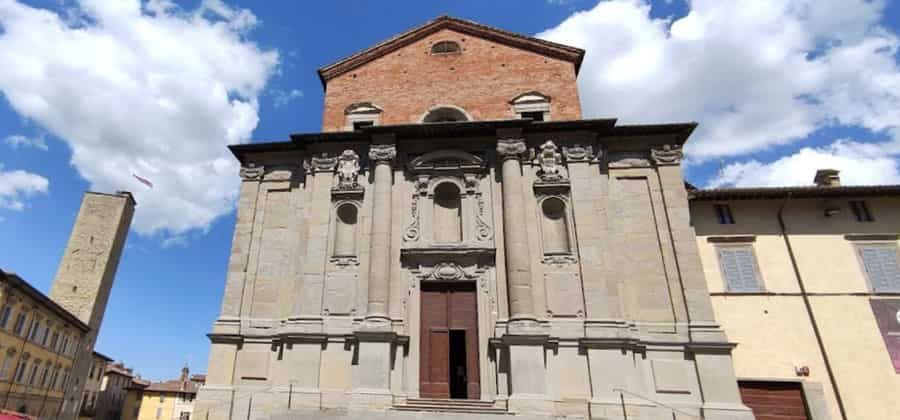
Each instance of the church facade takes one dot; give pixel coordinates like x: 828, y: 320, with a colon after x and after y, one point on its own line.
x: 458, y: 239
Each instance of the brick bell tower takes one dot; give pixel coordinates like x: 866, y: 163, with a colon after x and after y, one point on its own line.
x: 86, y: 273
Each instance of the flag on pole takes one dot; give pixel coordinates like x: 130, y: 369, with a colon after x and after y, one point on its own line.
x: 143, y: 180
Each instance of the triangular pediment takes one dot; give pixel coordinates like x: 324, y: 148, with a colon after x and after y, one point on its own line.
x: 538, y: 46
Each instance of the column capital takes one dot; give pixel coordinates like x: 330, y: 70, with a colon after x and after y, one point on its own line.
x: 668, y: 154
x: 321, y: 163
x: 581, y: 153
x: 511, y: 148
x: 252, y: 172
x: 382, y: 153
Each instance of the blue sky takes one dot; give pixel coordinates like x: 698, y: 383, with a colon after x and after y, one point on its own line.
x: 99, y: 91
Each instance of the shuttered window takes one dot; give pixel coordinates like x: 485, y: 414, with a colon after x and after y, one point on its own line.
x: 880, y: 264
x: 739, y: 269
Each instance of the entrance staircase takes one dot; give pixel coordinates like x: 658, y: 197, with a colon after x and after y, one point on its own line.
x: 450, y: 406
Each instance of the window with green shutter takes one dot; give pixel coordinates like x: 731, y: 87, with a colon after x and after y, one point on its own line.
x: 880, y: 264
x: 739, y: 269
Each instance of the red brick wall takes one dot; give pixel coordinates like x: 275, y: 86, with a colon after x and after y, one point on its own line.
x: 482, y: 80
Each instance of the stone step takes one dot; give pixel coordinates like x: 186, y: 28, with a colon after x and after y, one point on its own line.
x: 451, y: 409
x: 479, y: 403
x: 450, y: 406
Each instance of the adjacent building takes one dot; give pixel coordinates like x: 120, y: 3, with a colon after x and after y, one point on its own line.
x: 134, y: 394
x: 169, y: 400
x: 806, y: 281
x: 117, y: 380
x: 38, y: 342
x: 93, y: 385
x: 458, y: 239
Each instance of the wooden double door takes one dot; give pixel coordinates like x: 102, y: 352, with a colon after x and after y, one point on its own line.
x: 449, y: 341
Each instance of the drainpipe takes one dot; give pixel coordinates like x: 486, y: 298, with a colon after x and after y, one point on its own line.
x: 809, y: 311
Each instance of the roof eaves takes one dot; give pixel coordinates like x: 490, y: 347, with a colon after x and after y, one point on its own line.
x: 794, y: 192
x: 39, y: 296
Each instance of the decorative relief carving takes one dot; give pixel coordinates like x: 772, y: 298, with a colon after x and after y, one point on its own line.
x: 580, y: 153
x: 348, y: 170
x: 447, y: 160
x: 483, y: 231
x: 550, y: 161
x: 510, y: 148
x: 382, y: 152
x: 344, y: 261
x: 252, y: 172
x: 667, y: 155
x: 559, y: 260
x: 448, y: 271
x: 629, y: 160
x: 412, y: 231
x: 321, y: 163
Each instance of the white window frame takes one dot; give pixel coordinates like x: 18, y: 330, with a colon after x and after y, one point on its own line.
x: 757, y: 274
x: 859, y: 246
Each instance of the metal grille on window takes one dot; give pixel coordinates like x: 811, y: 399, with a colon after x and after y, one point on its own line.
x: 880, y: 264
x: 739, y: 269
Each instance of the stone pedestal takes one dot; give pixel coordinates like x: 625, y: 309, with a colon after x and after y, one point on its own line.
x: 526, y: 342
x: 721, y: 397
x: 372, y: 360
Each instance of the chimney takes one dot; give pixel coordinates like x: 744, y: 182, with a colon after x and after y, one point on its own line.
x: 184, y: 374
x: 827, y: 178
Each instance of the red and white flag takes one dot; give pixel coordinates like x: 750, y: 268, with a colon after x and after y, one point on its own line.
x: 144, y: 181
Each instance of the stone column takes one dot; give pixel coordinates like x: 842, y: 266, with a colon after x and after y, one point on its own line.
x: 381, y: 155
x: 515, y: 237
x: 375, y: 339
x: 525, y: 339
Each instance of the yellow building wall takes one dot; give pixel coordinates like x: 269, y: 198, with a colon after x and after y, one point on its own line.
x: 37, y: 399
x: 773, y: 329
x: 859, y: 358
x: 132, y: 405
x: 150, y: 403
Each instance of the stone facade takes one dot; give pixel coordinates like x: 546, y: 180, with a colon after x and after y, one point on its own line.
x: 574, y: 236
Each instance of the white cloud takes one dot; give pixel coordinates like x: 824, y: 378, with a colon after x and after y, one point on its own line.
x: 754, y: 73
x: 146, y: 89
x: 282, y: 98
x: 859, y: 163
x: 16, y: 185
x: 17, y: 140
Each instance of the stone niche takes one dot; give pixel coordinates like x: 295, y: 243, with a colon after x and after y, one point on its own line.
x: 447, y: 208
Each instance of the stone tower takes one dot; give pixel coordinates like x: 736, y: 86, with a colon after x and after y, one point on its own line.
x: 86, y: 273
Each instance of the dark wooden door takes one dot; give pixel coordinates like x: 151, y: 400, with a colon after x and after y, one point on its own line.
x: 774, y: 400
x: 448, y: 308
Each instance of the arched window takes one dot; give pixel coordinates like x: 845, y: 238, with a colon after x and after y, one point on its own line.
x: 447, y: 214
x: 445, y: 114
x: 554, y: 226
x: 345, y: 231
x: 533, y: 105
x: 445, y: 47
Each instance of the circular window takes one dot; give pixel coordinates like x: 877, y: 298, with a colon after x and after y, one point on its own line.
x: 347, y: 214
x: 553, y: 208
